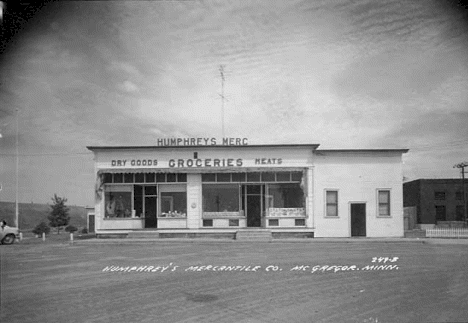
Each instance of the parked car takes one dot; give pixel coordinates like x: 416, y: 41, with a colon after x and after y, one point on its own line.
x: 8, y: 235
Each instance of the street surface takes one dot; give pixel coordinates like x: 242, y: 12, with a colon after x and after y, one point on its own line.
x: 234, y: 282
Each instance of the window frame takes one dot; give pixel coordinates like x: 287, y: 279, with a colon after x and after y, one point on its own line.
x: 117, y: 189
x: 378, y: 204
x: 326, y: 204
x: 436, y: 198
x: 239, y: 206
x: 170, y: 187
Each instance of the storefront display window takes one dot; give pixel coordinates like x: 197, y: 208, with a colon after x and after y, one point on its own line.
x: 118, y: 204
x: 221, y: 198
x: 285, y: 200
x: 173, y: 204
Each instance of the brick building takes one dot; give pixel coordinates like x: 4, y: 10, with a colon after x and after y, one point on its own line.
x: 436, y: 200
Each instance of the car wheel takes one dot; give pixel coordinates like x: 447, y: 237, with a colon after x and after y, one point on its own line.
x: 8, y: 239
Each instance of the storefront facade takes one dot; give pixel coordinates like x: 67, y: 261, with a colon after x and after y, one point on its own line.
x: 199, y: 186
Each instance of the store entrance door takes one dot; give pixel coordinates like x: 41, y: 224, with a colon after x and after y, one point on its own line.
x: 253, y: 204
x: 150, y: 212
x: 358, y: 219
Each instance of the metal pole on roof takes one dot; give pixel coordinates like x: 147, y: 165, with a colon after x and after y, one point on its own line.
x: 221, y: 70
x: 462, y: 169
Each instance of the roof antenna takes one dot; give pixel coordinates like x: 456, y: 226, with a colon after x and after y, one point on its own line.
x: 223, y: 98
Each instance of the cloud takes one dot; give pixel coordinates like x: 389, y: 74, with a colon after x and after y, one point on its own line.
x: 124, y: 67
x: 129, y: 87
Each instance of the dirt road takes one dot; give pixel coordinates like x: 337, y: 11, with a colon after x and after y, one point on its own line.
x: 234, y: 282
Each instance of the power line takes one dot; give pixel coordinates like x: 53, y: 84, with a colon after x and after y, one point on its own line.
x: 50, y: 154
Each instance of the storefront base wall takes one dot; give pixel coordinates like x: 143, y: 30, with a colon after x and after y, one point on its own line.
x: 224, y: 223
x: 122, y: 224
x: 284, y: 223
x: 172, y: 223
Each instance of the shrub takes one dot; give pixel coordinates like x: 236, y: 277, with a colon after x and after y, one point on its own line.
x: 71, y: 229
x: 84, y: 231
x: 41, y: 228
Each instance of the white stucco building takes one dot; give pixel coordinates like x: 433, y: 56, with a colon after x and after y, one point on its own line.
x: 195, y: 185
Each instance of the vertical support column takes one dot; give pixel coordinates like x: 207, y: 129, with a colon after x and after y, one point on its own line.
x: 310, y: 197
x: 194, y: 198
x: 99, y: 209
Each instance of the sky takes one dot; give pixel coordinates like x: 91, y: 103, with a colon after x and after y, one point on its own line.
x: 339, y: 73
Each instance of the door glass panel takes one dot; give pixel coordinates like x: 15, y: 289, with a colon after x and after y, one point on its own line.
x: 150, y: 212
x: 138, y: 200
x: 253, y: 189
x: 150, y: 190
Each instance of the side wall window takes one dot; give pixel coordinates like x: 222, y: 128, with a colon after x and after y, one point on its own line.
x: 439, y: 196
x: 384, y: 202
x: 332, y: 203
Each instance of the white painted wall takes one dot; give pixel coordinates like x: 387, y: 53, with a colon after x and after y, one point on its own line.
x: 172, y: 223
x: 224, y: 223
x: 122, y: 224
x: 194, y: 201
x: 357, y: 176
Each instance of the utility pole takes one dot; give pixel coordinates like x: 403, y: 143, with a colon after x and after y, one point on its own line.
x: 17, y: 167
x: 462, y: 170
x: 221, y: 71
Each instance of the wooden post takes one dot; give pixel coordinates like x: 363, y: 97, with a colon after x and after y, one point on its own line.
x: 43, y: 236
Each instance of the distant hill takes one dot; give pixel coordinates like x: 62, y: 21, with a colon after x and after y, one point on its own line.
x: 31, y: 214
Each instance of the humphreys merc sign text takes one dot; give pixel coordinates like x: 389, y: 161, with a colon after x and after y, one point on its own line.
x: 201, y: 142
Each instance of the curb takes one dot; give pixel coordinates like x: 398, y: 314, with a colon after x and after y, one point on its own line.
x: 127, y: 241
x: 217, y: 241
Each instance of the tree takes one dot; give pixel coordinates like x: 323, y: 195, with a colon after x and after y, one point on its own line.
x: 59, y: 215
x: 71, y: 228
x: 41, y: 228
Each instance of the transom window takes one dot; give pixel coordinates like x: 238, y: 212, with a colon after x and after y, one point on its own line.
x: 253, y: 177
x: 129, y: 178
